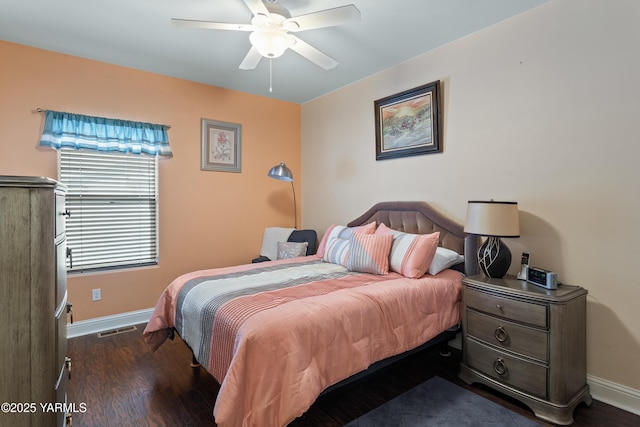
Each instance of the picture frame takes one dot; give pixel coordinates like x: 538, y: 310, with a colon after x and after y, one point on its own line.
x: 221, y: 146
x: 408, y: 123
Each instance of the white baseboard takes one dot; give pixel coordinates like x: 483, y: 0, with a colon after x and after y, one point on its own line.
x: 614, y: 394
x: 100, y: 324
x: 620, y: 396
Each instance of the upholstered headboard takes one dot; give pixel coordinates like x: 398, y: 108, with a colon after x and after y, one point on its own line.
x: 422, y: 218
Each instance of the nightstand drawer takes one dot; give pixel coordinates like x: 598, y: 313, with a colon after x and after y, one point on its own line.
x: 520, y: 311
x: 507, y: 335
x: 516, y: 372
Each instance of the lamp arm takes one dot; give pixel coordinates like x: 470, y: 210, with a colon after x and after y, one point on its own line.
x: 295, y: 209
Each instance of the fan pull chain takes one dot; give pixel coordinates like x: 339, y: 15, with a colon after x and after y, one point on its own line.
x: 270, y: 76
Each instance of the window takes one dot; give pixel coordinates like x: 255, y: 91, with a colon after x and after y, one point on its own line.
x: 110, y: 166
x: 112, y: 198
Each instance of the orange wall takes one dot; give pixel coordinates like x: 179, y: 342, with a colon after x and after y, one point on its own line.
x: 207, y: 219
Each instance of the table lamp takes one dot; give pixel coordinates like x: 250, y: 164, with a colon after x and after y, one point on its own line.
x: 493, y: 220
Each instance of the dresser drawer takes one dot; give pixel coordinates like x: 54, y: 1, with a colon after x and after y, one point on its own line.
x: 61, y: 397
x: 61, y: 272
x: 61, y: 334
x: 519, y: 311
x: 60, y: 217
x: 516, y: 372
x: 509, y: 336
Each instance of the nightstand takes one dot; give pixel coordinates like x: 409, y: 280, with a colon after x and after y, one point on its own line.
x: 527, y: 342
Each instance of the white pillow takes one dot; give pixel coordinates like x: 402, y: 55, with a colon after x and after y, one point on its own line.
x: 443, y: 259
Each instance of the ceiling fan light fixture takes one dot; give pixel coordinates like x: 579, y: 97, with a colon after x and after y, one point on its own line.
x: 271, y: 43
x: 270, y: 30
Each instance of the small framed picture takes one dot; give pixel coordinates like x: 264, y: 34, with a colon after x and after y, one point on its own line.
x: 221, y: 146
x: 407, y: 123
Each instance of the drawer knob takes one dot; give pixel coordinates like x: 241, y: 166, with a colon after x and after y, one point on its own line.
x: 500, y: 367
x: 70, y: 256
x: 67, y: 364
x: 501, y: 334
x: 70, y: 310
x: 498, y: 306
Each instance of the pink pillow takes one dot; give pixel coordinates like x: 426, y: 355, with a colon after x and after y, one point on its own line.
x: 369, y: 253
x: 411, y: 254
x: 343, y: 232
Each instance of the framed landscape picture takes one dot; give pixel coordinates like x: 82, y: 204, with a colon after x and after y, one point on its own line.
x: 407, y: 123
x: 221, y: 146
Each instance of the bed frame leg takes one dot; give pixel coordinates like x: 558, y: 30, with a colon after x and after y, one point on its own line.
x: 444, y: 349
x: 194, y: 361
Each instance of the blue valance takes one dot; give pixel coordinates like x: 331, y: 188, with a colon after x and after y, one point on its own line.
x: 76, y: 131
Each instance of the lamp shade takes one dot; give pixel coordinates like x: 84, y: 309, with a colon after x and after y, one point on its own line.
x: 497, y: 219
x: 281, y: 172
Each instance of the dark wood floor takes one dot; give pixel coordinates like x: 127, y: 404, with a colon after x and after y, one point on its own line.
x: 123, y: 384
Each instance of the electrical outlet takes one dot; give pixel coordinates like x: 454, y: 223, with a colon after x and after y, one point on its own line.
x: 95, y: 294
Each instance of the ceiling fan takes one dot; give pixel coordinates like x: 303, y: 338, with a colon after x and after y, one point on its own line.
x: 271, y: 28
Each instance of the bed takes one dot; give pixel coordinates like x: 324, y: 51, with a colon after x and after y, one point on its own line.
x: 276, y: 335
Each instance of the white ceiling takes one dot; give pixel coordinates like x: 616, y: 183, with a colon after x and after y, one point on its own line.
x: 138, y: 34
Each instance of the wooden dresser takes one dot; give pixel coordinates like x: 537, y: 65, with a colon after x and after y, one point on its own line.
x: 33, y: 290
x: 527, y: 342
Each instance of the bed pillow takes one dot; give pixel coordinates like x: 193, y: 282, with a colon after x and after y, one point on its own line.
x: 288, y: 250
x: 411, y: 254
x: 343, y: 232
x: 337, y: 251
x: 443, y: 259
x: 369, y: 253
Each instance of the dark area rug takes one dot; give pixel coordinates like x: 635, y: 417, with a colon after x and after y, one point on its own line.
x: 438, y: 402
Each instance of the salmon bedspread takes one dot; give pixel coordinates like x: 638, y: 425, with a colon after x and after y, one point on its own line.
x: 276, y: 334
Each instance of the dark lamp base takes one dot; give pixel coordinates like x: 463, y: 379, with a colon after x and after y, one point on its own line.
x: 494, y: 258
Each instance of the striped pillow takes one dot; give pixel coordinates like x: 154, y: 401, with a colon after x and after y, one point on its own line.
x: 343, y: 233
x: 411, y: 254
x: 337, y: 251
x: 369, y: 253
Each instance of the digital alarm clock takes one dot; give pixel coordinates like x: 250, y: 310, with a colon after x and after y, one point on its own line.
x: 546, y: 279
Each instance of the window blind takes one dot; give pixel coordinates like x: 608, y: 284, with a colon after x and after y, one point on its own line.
x: 112, y: 198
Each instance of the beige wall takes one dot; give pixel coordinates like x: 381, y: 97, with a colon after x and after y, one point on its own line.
x: 541, y: 109
x: 207, y: 219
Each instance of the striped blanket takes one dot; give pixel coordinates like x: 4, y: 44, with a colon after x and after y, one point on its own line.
x: 276, y: 334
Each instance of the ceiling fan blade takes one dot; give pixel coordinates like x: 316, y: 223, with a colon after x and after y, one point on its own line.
x: 313, y: 54
x: 208, y: 25
x: 326, y: 18
x: 257, y: 7
x: 251, y: 60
